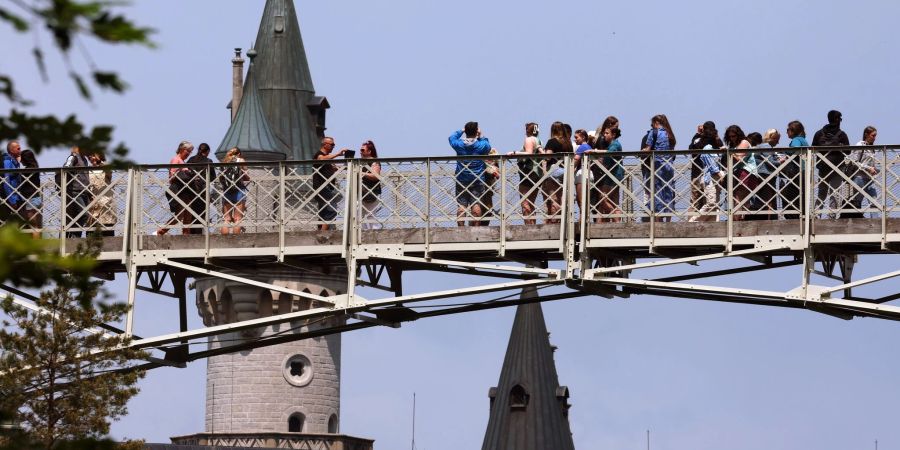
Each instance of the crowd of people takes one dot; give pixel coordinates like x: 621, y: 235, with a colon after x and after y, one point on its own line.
x: 89, y: 202
x: 764, y: 182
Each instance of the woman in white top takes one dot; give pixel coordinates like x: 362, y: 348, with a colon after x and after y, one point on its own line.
x: 102, y: 210
x: 866, y: 164
x: 530, y: 171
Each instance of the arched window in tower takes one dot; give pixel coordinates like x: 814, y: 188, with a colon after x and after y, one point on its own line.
x: 518, y: 397
x: 317, y: 304
x: 303, y: 303
x: 226, y: 307
x: 296, y: 422
x: 213, y: 301
x: 333, y: 424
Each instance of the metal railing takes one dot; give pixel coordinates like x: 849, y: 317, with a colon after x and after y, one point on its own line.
x: 502, y: 192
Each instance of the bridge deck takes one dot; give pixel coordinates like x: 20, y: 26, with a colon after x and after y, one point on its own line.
x: 483, y: 243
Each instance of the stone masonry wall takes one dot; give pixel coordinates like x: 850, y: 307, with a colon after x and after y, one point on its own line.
x: 256, y: 390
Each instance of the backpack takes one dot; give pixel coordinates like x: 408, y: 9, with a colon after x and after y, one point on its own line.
x: 835, y: 157
x: 529, y: 167
x: 649, y: 140
x: 831, y: 140
x: 76, y: 161
x: 233, y: 177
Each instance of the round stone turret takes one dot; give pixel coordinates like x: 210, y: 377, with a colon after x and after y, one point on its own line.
x: 289, y: 387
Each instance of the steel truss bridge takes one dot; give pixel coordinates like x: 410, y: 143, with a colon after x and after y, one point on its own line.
x: 587, y: 235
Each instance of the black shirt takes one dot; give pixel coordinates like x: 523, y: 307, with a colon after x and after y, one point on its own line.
x: 556, y: 146
x: 697, y: 143
x: 323, y: 172
x: 200, y: 179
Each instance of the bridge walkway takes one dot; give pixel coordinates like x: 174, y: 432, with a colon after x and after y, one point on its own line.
x: 546, y: 225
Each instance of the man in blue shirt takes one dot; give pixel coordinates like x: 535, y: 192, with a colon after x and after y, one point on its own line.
x: 10, y: 181
x: 470, y: 186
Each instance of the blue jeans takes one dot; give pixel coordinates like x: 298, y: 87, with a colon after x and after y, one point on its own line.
x: 327, y: 201
x: 665, y: 192
x: 866, y: 184
x: 76, y: 214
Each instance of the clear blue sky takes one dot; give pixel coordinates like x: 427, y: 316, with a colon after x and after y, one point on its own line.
x: 406, y: 73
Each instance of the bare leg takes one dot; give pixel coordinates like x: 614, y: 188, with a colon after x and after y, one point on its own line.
x: 238, y: 215
x: 227, y: 217
x: 529, y: 195
x: 553, y: 199
x: 476, y: 214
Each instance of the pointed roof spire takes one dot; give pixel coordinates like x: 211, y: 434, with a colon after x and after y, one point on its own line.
x: 250, y: 131
x: 529, y: 409
x: 285, y: 85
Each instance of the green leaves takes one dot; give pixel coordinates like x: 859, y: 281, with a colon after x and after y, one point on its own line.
x: 17, y: 21
x: 8, y: 90
x: 49, y: 131
x: 119, y: 30
x: 34, y: 263
x: 69, y: 22
x: 68, y: 18
x: 61, y: 382
x: 39, y: 60
x: 82, y: 88
x: 110, y: 81
x: 61, y: 377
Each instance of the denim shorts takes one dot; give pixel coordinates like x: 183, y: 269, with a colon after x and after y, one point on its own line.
x: 558, y: 173
x: 469, y: 193
x: 34, y: 203
x: 236, y: 195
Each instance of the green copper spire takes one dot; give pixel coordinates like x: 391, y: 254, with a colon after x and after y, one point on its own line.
x: 286, y: 93
x: 250, y: 130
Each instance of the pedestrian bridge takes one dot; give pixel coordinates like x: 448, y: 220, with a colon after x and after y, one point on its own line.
x: 545, y: 224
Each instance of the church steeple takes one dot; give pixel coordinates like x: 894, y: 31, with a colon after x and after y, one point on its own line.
x: 250, y: 130
x: 284, y: 82
x: 529, y: 409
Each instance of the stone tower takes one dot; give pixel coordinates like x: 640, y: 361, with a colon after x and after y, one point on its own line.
x: 292, y: 387
x: 529, y: 409
x: 285, y: 395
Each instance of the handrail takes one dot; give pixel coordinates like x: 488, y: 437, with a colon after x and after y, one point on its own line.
x: 284, y: 197
x: 450, y: 157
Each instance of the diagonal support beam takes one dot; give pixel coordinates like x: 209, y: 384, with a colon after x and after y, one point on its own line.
x: 495, y: 267
x: 772, y: 295
x: 825, y: 304
x: 374, y: 320
x: 323, y: 312
x: 874, y: 310
x: 590, y: 273
x: 719, y: 273
x: 827, y: 291
x: 42, y: 311
x: 33, y: 299
x: 467, y: 291
x: 246, y: 281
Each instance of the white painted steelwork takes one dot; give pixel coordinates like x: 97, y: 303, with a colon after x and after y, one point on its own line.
x: 312, y: 216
